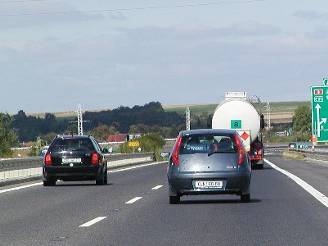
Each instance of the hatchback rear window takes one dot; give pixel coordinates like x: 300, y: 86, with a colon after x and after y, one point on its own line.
x: 193, y: 144
x: 72, y: 145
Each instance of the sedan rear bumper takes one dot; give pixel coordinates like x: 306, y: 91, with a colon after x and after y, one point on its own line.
x: 72, y: 173
x: 233, y: 183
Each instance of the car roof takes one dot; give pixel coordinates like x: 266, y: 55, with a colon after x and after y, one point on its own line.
x: 73, y: 137
x: 207, y: 131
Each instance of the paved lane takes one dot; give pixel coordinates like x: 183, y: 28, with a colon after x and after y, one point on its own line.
x: 312, y: 171
x: 280, y: 213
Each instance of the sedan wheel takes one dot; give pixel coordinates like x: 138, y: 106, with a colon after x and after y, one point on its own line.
x: 106, y: 177
x: 174, y: 199
x: 49, y: 182
x: 101, y: 179
x: 245, y: 198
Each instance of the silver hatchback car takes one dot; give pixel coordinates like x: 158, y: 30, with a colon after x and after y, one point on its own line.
x: 209, y: 162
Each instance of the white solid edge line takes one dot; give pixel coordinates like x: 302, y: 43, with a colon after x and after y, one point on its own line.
x: 114, y: 171
x: 20, y: 187
x: 157, y: 187
x: 133, y: 200
x: 92, y: 222
x: 312, y: 191
x: 136, y: 166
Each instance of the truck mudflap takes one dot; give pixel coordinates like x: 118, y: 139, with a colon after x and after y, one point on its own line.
x: 256, y: 158
x: 257, y: 161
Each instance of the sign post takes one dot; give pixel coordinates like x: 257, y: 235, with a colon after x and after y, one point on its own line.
x: 319, y: 101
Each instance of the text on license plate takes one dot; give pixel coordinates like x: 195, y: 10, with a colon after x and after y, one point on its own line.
x: 71, y: 160
x: 203, y: 184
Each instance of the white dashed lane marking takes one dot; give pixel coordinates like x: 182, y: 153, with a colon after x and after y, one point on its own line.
x: 92, y: 222
x: 134, y: 200
x: 157, y: 187
x: 135, y: 167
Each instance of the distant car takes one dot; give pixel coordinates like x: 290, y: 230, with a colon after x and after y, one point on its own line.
x: 43, y: 151
x: 209, y: 162
x: 73, y: 158
x: 298, y: 146
x: 292, y: 146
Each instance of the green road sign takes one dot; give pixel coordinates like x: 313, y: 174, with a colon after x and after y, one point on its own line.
x: 325, y: 81
x: 319, y: 101
x: 235, y: 124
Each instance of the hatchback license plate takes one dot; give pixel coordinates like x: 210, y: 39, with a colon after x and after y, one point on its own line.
x: 211, y: 184
x: 71, y: 160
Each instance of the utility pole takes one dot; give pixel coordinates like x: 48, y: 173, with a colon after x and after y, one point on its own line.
x: 268, y: 111
x: 188, y: 120
x: 79, y: 120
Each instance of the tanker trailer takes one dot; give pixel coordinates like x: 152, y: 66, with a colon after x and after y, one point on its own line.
x: 237, y: 113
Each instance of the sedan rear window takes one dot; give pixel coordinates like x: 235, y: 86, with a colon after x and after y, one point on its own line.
x: 193, y: 144
x: 72, y: 145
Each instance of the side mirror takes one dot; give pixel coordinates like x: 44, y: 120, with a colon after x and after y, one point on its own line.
x: 262, y: 123
x: 105, y: 151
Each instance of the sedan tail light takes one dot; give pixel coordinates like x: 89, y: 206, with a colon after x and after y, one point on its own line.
x: 48, y: 159
x: 95, y: 158
x: 240, y: 149
x: 175, y: 153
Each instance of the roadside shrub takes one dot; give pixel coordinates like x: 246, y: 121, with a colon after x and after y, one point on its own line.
x: 148, y: 143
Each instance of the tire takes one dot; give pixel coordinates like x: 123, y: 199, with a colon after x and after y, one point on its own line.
x: 245, y: 197
x: 174, y: 199
x: 106, y: 177
x: 49, y: 182
x: 260, y: 166
x: 101, y: 180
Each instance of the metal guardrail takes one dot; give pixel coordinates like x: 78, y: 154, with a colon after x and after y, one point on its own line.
x: 31, y: 162
x: 303, y: 147
x: 20, y: 163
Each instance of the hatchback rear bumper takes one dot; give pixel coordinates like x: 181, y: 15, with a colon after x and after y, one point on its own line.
x: 72, y: 173
x: 233, y: 183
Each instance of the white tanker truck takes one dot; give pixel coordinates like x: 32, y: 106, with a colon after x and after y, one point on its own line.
x: 237, y: 113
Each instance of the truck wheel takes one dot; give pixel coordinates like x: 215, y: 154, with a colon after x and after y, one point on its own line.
x: 260, y: 166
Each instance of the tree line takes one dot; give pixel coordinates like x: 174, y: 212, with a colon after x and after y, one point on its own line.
x: 139, y: 119
x: 150, y: 118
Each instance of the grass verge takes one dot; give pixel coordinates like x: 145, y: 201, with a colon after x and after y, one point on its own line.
x: 293, y: 155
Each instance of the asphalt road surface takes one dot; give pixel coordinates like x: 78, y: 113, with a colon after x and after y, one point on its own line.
x: 133, y: 210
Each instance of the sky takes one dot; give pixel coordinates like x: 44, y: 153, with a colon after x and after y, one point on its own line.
x: 102, y: 54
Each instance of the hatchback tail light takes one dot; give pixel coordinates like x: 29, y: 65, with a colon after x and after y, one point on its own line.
x: 48, y: 159
x: 95, y: 158
x: 175, y: 153
x: 240, y: 149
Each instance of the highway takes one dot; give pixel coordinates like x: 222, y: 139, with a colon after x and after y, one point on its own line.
x: 133, y: 210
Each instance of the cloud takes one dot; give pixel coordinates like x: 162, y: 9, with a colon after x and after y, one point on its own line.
x: 236, y: 30
x: 49, y: 14
x: 169, y: 64
x: 311, y: 15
